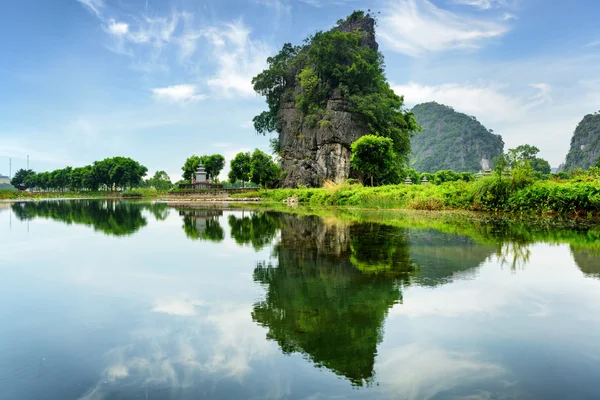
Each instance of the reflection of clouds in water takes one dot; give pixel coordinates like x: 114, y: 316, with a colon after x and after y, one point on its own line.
x: 185, y: 308
x: 537, y: 289
x: 450, y: 301
x: 420, y: 371
x: 204, y: 350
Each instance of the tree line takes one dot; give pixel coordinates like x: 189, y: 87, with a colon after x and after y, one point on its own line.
x: 116, y: 173
x: 373, y: 158
x: 257, y: 167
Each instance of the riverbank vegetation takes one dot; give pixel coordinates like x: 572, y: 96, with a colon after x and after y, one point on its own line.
x: 499, y: 193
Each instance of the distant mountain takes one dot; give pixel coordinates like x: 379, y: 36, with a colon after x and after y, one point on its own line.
x: 451, y: 140
x: 585, y: 143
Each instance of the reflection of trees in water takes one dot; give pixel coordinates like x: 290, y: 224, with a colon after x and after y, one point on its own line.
x: 514, y: 254
x: 203, y: 224
x: 111, y: 217
x: 441, y: 255
x: 588, y: 261
x: 256, y: 229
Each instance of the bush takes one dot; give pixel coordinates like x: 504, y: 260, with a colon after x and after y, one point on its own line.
x: 140, y: 192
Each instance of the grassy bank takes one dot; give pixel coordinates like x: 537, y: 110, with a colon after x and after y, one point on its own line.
x: 487, y: 194
x: 8, y: 194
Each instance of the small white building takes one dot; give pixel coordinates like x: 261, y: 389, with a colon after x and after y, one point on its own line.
x: 4, y: 180
x: 200, y: 176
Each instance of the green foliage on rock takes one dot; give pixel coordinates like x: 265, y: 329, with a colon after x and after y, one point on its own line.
x: 585, y: 143
x: 344, y: 61
x: 373, y: 156
x: 451, y: 140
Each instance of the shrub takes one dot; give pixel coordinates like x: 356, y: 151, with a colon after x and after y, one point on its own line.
x: 140, y: 192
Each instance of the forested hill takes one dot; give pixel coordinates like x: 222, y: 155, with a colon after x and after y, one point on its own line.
x: 585, y: 143
x: 451, y: 140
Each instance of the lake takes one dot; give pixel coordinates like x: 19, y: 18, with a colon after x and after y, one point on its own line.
x: 128, y: 300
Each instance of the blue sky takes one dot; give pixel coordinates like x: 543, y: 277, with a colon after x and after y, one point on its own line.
x: 160, y: 80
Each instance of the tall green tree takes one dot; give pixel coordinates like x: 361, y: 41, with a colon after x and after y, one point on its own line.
x: 373, y: 156
x: 190, y: 167
x: 213, y: 164
x: 160, y: 181
x: 597, y: 165
x: 20, y: 176
x: 240, y: 168
x: 263, y: 170
x: 529, y: 153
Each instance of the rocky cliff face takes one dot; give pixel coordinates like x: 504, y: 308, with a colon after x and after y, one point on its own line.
x: 314, y: 154
x: 451, y: 141
x: 585, y: 143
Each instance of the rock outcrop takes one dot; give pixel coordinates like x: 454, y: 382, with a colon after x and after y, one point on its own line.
x: 585, y: 143
x: 313, y: 154
x: 451, y: 141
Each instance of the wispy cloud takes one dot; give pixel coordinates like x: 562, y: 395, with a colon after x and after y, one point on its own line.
x: 595, y: 43
x: 281, y: 8
x: 239, y: 58
x: 485, y: 101
x: 417, y: 27
x: 117, y: 28
x: 93, y: 5
x: 508, y: 16
x: 178, y: 94
x: 482, y: 4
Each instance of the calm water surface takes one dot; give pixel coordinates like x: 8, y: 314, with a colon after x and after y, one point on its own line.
x: 108, y: 300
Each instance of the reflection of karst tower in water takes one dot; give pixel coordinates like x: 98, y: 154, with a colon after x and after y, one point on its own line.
x: 320, y: 304
x: 588, y: 261
x: 334, y: 283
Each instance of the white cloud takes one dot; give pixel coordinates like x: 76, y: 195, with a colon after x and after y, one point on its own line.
x: 487, y: 102
x: 185, y: 308
x: 542, y: 96
x: 423, y: 371
x: 417, y: 27
x: 117, y: 28
x: 239, y: 58
x: 93, y: 5
x: 314, y: 3
x: 482, y: 4
x: 508, y: 16
x: 178, y: 94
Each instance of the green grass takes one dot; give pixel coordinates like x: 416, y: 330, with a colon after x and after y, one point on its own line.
x: 7, y: 194
x: 488, y: 194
